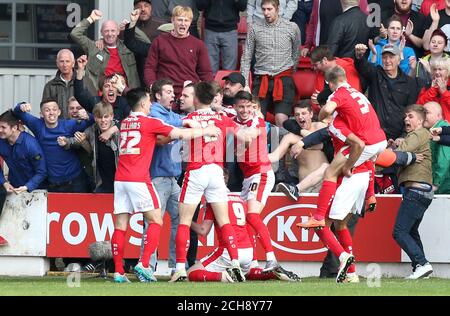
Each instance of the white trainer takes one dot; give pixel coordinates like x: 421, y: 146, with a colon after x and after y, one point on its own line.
x: 421, y: 272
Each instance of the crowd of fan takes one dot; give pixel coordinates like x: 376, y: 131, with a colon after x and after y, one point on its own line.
x: 402, y: 61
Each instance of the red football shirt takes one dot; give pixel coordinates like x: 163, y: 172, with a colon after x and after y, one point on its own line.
x: 358, y: 114
x: 207, y: 150
x: 253, y: 159
x: 237, y: 211
x: 137, y: 141
x: 229, y: 111
x: 339, y: 132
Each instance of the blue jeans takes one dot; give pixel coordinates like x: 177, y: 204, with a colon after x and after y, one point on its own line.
x: 222, y: 46
x: 406, y: 228
x: 302, y: 15
x: 168, y: 192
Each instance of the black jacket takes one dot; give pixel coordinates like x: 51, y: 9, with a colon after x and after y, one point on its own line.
x: 347, y: 30
x: 87, y: 101
x: 221, y: 15
x: 138, y: 47
x: 389, y: 97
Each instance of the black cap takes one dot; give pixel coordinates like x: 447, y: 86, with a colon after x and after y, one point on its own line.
x: 137, y: 1
x: 235, y: 77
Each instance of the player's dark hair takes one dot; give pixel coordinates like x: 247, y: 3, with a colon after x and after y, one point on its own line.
x: 243, y: 95
x: 135, y: 97
x: 204, y: 92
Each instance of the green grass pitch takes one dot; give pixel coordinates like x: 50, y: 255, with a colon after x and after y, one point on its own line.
x: 89, y: 285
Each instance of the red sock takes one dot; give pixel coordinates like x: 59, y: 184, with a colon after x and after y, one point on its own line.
x: 371, y: 189
x: 330, y: 241
x: 345, y: 239
x: 229, y: 237
x: 257, y: 274
x: 182, y: 243
x: 251, y: 235
x: 204, y: 276
x: 117, y: 245
x: 326, y: 196
x: 255, y: 221
x: 151, y: 241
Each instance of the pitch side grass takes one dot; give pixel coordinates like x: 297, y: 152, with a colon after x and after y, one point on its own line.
x: 71, y: 285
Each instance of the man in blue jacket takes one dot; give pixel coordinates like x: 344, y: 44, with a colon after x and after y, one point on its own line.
x: 65, y: 173
x: 166, y: 163
x: 24, y: 157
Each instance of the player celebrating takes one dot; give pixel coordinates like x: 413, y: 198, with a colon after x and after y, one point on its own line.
x: 359, y: 116
x: 259, y: 178
x: 204, y: 176
x: 133, y: 190
x: 350, y: 196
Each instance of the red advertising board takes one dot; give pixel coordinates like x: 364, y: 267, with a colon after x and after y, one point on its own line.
x: 77, y: 220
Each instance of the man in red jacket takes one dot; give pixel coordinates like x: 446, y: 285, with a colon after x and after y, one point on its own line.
x: 323, y: 60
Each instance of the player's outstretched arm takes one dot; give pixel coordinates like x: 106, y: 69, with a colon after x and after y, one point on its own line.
x: 189, y: 133
x: 327, y: 110
x: 162, y: 140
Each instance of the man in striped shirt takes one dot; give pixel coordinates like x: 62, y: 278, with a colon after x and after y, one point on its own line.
x: 275, y: 43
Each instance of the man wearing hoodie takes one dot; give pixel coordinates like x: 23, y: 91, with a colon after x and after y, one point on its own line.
x: 322, y: 60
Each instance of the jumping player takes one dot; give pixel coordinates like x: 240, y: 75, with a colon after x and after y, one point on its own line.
x: 356, y: 112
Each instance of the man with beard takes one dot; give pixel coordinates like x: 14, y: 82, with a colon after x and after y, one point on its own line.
x: 234, y: 83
